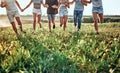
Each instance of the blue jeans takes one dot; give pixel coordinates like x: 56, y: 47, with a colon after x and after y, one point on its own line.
x: 77, y: 18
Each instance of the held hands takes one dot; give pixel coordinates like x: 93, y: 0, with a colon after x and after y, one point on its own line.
x: 54, y: 6
x: 3, y: 4
x: 46, y: 5
x: 22, y: 9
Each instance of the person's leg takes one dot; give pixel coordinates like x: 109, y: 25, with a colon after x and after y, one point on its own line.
x: 101, y: 18
x: 95, y: 21
x: 80, y: 14
x: 65, y: 22
x: 49, y: 22
x: 14, y: 27
x: 53, y: 20
x: 39, y: 21
x: 34, y: 22
x: 75, y: 19
x: 20, y: 24
x: 61, y: 21
x: 11, y: 19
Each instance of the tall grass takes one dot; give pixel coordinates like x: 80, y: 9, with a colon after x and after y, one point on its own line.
x: 61, y: 52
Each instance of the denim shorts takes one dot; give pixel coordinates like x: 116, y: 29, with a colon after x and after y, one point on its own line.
x: 98, y: 10
x: 63, y: 13
x: 51, y: 17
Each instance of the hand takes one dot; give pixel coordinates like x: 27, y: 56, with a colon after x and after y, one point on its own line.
x: 21, y: 10
x: 3, y: 4
x: 54, y: 6
x: 46, y: 6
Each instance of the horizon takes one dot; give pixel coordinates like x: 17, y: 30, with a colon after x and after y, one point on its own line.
x: 108, y: 9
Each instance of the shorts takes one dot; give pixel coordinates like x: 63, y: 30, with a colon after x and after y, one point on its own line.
x: 63, y: 13
x: 37, y: 11
x: 98, y: 10
x: 12, y: 14
x: 51, y: 17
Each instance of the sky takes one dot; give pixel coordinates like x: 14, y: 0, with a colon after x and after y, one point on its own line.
x: 111, y: 7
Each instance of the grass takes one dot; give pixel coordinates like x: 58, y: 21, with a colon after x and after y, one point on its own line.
x: 61, y: 52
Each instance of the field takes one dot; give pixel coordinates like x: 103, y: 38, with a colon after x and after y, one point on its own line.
x: 61, y: 52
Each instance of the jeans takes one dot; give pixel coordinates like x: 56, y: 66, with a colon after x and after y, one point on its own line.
x: 77, y: 18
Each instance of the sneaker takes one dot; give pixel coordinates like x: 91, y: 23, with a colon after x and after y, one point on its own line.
x: 53, y: 26
x: 75, y: 28
x: 78, y: 30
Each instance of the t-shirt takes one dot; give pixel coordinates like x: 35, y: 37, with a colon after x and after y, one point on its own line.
x: 50, y: 3
x: 78, y: 5
x: 37, y: 3
x: 10, y: 5
x: 97, y: 3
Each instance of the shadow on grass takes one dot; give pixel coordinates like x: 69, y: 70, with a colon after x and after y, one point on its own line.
x: 43, y: 60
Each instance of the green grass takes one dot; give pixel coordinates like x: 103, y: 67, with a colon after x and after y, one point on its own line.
x: 61, y: 52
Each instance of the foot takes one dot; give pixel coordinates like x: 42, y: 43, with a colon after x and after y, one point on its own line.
x: 53, y: 26
x: 78, y: 30
x: 33, y: 32
x: 40, y: 26
x: 23, y: 31
x: 75, y: 28
x: 97, y: 33
x: 60, y: 25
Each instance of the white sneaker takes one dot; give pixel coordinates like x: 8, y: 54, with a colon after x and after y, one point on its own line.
x: 75, y: 28
x: 33, y: 32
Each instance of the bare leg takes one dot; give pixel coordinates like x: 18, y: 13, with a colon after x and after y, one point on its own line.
x: 61, y: 21
x: 14, y: 27
x: 39, y: 19
x: 34, y: 21
x: 65, y: 21
x: 101, y: 18
x: 49, y: 24
x: 95, y: 21
x: 20, y: 24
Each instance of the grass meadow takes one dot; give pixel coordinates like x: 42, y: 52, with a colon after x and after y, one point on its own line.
x: 61, y: 52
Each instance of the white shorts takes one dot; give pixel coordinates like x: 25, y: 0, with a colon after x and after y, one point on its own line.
x: 37, y: 11
x: 12, y: 14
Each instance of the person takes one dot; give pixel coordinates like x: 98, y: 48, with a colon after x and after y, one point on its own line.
x: 97, y: 11
x: 78, y: 12
x: 52, y: 10
x: 63, y: 13
x: 12, y: 12
x: 36, y: 12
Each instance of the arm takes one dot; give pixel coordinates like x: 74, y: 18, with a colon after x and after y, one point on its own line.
x: 67, y: 4
x: 3, y: 4
x: 72, y: 2
x: 43, y: 3
x: 46, y: 4
x: 18, y: 5
x: 85, y: 2
x: 28, y: 5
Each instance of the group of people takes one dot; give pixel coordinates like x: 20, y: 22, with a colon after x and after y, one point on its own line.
x: 52, y: 9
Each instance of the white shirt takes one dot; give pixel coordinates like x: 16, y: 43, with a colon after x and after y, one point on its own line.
x: 10, y: 5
